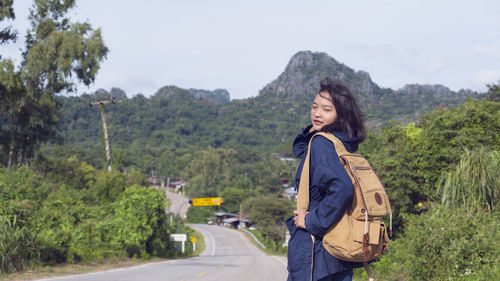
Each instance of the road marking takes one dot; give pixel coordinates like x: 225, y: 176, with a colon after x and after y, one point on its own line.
x: 213, y: 242
x: 108, y: 271
x: 201, y: 274
x: 208, y: 236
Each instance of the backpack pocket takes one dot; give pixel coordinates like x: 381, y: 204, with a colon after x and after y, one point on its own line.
x: 374, y: 231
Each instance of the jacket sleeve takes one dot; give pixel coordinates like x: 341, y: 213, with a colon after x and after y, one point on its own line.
x: 327, y: 173
x: 301, y: 141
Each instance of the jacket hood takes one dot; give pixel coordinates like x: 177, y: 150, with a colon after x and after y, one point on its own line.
x: 301, y: 142
x: 350, y: 145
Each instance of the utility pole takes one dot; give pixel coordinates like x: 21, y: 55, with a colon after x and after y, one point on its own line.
x: 101, y: 105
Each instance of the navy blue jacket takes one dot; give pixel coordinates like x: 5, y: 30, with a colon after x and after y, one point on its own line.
x: 330, y: 193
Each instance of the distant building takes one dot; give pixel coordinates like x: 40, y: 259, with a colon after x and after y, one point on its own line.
x: 232, y: 220
x: 221, y: 216
x: 153, y: 181
x: 284, y: 182
x: 290, y: 193
x: 178, y: 185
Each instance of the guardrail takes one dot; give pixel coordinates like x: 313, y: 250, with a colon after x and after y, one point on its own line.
x: 255, y: 238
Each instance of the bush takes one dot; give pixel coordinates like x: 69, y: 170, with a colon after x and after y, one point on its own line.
x: 108, y: 185
x: 50, y: 220
x: 445, y: 244
x: 270, y: 214
x: 141, y: 220
x: 60, y: 213
x: 200, y: 214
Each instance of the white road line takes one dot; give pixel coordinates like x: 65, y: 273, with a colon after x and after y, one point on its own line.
x: 212, y: 240
x: 107, y: 271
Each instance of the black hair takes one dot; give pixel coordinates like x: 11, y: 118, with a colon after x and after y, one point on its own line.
x: 349, y: 116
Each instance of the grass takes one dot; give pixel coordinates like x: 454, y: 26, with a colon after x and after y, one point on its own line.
x: 200, y: 243
x: 475, y: 183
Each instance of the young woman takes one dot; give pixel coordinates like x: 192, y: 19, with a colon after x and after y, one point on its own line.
x: 336, y: 111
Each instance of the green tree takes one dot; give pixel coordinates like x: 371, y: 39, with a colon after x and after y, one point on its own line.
x: 56, y: 51
x: 411, y: 159
x: 142, y: 221
x: 233, y: 197
x: 269, y: 213
x: 6, y: 12
x: 493, y: 93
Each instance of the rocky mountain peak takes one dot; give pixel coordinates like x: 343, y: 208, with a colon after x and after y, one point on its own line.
x: 217, y: 95
x: 213, y: 97
x: 304, y: 71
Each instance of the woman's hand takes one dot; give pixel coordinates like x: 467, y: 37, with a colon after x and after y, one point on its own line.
x: 299, y: 218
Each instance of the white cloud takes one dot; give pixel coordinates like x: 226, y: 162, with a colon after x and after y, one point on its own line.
x: 488, y: 50
x: 487, y: 77
x: 434, y: 65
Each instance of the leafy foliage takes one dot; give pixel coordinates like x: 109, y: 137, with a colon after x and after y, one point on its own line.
x: 270, y: 214
x: 7, y: 12
x: 444, y: 244
x: 142, y: 221
x: 56, y: 50
x: 87, y: 216
x: 16, y: 245
x: 411, y: 159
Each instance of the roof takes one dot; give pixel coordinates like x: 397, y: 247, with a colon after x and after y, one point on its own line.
x: 291, y: 191
x: 231, y: 220
x: 221, y: 214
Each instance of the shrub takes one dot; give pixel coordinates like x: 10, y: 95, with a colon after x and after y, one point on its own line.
x: 16, y: 244
x: 108, y: 185
x: 140, y: 218
x: 445, y: 244
x: 270, y: 213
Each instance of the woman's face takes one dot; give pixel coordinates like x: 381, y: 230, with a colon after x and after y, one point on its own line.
x: 323, y: 111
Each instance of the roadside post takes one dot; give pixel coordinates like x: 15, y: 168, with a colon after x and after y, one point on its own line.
x: 193, y: 240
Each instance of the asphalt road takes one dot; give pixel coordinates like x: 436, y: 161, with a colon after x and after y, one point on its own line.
x: 178, y: 204
x: 228, y: 255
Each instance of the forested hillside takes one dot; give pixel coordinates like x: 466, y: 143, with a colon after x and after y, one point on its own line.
x: 175, y: 118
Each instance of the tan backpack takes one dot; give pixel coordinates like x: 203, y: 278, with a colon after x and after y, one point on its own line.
x: 360, y: 235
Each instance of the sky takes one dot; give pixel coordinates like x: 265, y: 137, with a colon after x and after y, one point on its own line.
x: 243, y: 45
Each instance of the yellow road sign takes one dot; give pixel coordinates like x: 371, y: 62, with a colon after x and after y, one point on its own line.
x: 193, y: 239
x: 211, y: 201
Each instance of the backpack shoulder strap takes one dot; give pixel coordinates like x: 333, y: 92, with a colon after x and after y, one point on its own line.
x: 339, y: 146
x: 303, y: 194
